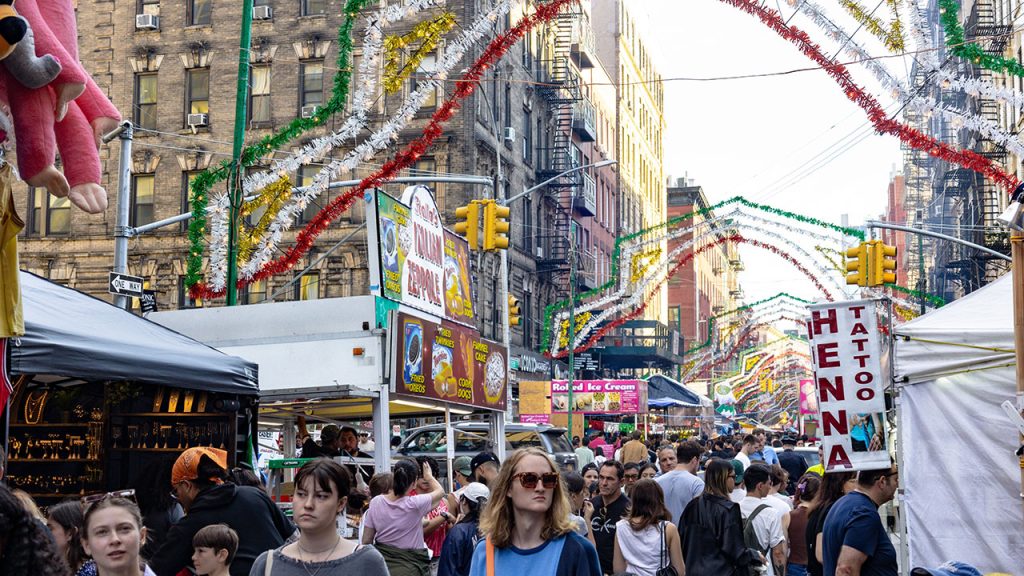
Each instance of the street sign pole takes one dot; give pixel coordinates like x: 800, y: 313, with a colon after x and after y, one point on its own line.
x: 121, y: 235
x: 235, y: 186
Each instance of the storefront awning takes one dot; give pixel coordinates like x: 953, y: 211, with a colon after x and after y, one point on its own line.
x: 74, y: 335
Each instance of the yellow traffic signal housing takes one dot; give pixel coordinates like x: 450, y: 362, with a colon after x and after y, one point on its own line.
x: 857, y: 265
x: 496, y: 225
x: 883, y: 264
x: 513, y: 311
x: 468, y: 225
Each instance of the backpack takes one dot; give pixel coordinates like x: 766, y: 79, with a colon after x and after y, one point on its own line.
x: 750, y: 538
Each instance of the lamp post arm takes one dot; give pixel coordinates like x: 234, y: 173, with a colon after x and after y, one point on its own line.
x: 556, y: 177
x: 877, y: 224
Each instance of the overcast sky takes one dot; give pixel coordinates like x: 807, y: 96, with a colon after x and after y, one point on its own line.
x: 745, y: 137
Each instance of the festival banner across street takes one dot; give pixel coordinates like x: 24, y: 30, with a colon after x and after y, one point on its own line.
x: 846, y: 349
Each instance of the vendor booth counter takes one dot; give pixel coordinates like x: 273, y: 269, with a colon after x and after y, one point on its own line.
x: 102, y: 397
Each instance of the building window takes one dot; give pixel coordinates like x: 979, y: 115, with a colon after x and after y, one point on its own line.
x: 47, y: 214
x: 187, y: 178
x: 199, y: 12
x: 508, y: 104
x: 145, y: 101
x: 151, y: 7
x: 494, y: 99
x: 255, y: 293
x: 428, y: 167
x: 314, y: 7
x: 184, y: 300
x: 527, y: 136
x: 305, y: 178
x: 143, y: 188
x: 198, y: 92
x: 311, y: 83
x: 427, y: 66
x: 259, y: 94
x: 308, y: 287
x: 527, y: 321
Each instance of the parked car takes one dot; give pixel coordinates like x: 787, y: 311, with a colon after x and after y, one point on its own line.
x: 472, y: 438
x: 810, y: 454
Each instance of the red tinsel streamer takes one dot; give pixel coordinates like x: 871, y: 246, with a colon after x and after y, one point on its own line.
x: 604, y: 330
x: 405, y: 158
x: 876, y: 114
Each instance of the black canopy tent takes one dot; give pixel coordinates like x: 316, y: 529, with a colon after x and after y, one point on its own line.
x: 74, y: 335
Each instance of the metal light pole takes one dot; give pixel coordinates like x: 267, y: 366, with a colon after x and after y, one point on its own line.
x: 241, y: 111
x: 1017, y: 269
x: 125, y: 132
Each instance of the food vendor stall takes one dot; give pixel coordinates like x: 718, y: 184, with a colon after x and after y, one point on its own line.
x: 675, y: 409
x: 99, y: 394
x: 547, y: 402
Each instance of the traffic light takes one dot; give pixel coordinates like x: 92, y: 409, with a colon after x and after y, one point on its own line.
x: 857, y: 265
x: 883, y: 264
x: 513, y: 311
x: 468, y: 225
x: 495, y: 225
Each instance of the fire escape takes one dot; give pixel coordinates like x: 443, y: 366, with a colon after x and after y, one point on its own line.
x: 984, y: 29
x: 560, y: 88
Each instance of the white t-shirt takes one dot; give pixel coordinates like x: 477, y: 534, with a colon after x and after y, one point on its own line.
x: 767, y: 525
x: 784, y: 499
x: 744, y: 459
x: 738, y: 494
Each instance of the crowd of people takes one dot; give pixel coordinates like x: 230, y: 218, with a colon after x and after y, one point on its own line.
x: 728, y: 506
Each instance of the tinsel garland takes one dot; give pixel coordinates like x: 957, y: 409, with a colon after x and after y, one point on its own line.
x: 876, y: 114
x: 430, y: 32
x: 893, y: 37
x: 949, y: 11
x: 825, y: 251
x: 405, y: 158
x: 271, y: 200
x: 936, y: 301
x: 205, y: 180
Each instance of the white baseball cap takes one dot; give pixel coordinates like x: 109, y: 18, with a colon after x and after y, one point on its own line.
x: 475, y: 492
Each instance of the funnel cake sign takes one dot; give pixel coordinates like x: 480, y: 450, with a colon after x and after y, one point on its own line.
x: 448, y: 362
x: 414, y: 259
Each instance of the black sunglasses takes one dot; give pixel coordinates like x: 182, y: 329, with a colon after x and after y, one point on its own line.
x: 94, y: 498
x: 529, y: 480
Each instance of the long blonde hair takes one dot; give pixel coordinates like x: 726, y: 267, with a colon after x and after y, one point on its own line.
x: 498, y: 519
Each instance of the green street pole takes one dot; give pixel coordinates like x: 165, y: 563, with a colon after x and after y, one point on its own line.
x: 241, y: 111
x: 572, y: 314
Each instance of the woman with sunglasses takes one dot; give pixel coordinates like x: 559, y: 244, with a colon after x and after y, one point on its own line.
x: 65, y: 521
x: 645, y: 541
x: 25, y: 547
x: 712, y: 527
x: 394, y: 521
x: 834, y: 486
x: 113, y: 535
x: 321, y: 491
x: 527, y: 524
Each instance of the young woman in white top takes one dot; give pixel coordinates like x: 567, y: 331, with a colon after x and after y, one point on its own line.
x: 645, y: 541
x: 113, y: 535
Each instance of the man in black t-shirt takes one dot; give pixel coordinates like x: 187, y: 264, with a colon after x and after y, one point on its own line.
x: 330, y: 441
x: 792, y: 462
x: 349, y: 444
x: 610, y: 506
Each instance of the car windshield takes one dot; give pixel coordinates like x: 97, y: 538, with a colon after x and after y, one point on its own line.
x: 524, y: 439
x: 437, y: 441
x: 559, y: 443
x: 810, y: 456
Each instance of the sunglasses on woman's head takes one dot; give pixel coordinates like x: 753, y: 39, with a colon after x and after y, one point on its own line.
x: 529, y: 480
x: 94, y: 498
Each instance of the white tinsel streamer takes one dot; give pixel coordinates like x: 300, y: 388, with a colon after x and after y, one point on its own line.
x: 956, y: 118
x: 384, y: 137
x: 373, y: 40
x: 631, y: 294
x: 704, y: 363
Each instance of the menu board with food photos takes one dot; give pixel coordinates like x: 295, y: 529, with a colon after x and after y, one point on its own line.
x: 600, y: 396
x: 448, y: 362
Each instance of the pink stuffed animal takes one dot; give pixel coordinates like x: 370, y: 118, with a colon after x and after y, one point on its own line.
x: 69, y: 114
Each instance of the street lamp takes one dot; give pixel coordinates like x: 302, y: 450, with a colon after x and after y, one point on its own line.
x: 572, y: 268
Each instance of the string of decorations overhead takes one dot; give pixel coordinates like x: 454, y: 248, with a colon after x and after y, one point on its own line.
x: 429, y: 33
x: 891, y: 37
x: 949, y: 15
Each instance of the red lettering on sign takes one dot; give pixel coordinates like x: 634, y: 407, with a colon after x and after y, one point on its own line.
x: 835, y: 424
x: 837, y: 457
x: 858, y: 328
x: 830, y: 322
x: 825, y: 387
x: 866, y: 394
x: 857, y: 310
x: 864, y: 377
x: 860, y: 342
x: 828, y: 355
x: 862, y: 360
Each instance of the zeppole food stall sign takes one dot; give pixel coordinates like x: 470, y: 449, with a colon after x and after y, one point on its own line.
x: 414, y: 259
x: 448, y: 362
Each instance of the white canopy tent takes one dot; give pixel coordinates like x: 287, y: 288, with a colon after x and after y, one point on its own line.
x: 955, y: 366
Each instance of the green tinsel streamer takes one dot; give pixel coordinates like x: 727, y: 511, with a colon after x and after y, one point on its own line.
x: 205, y: 180
x: 956, y: 42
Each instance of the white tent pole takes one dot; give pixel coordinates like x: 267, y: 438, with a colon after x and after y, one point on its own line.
x: 902, y: 516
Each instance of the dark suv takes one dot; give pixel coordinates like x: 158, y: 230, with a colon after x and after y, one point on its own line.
x: 472, y: 438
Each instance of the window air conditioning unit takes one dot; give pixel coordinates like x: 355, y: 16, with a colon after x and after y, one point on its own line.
x: 309, y: 111
x: 510, y: 134
x: 539, y: 251
x: 197, y: 120
x: 262, y: 12
x: 147, y: 22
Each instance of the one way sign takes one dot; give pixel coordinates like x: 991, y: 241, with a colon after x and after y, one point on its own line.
x: 125, y: 285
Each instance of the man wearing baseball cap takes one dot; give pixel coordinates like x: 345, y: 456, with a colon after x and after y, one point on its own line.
x: 198, y: 480
x: 484, y: 468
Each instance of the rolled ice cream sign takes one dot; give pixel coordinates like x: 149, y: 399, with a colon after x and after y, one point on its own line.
x: 415, y: 260
x: 448, y: 362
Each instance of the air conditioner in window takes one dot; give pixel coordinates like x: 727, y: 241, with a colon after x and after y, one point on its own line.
x: 147, y: 22
x: 510, y: 134
x: 539, y: 251
x: 309, y: 110
x: 197, y: 120
x: 262, y: 12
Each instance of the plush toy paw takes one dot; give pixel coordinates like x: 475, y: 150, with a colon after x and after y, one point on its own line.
x: 103, y: 126
x: 51, y: 179
x: 89, y: 197
x: 65, y: 94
